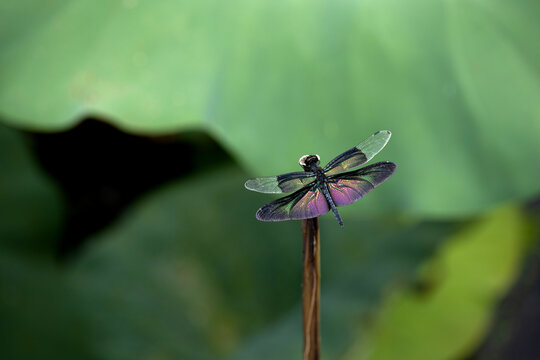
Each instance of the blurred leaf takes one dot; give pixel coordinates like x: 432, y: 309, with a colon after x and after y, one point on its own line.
x: 30, y: 204
x: 41, y: 318
x: 187, y: 273
x: 478, y: 265
x: 273, y: 80
x: 38, y: 320
x: 190, y: 273
x: 359, y: 267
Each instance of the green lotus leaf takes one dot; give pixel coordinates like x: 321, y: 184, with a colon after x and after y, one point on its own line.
x: 30, y: 203
x: 475, y: 267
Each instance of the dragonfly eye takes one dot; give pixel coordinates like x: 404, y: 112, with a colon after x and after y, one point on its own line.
x: 302, y: 160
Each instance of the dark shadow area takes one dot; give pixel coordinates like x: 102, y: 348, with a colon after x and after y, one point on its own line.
x: 515, y: 330
x: 101, y: 170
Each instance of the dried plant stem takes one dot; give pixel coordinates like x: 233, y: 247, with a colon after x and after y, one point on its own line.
x: 311, y: 289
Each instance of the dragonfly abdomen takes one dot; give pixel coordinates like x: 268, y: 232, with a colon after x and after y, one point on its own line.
x: 322, y: 182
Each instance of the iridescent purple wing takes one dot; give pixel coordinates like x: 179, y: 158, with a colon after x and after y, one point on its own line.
x: 358, y: 155
x: 306, y: 203
x: 280, y: 184
x: 346, y: 188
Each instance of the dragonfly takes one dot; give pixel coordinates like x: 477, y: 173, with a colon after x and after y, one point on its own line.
x: 316, y: 190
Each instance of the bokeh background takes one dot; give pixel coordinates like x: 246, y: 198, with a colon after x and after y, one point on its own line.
x: 128, y: 128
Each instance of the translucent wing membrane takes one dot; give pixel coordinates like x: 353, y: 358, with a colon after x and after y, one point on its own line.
x: 346, y: 188
x: 343, y: 178
x: 280, y: 184
x: 365, y: 151
x: 306, y: 203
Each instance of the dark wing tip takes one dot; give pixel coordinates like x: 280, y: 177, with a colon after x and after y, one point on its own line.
x: 391, y: 165
x: 258, y: 215
x: 263, y: 215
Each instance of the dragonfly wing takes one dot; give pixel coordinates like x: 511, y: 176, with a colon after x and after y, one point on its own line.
x: 306, y: 203
x: 358, y: 155
x: 280, y: 184
x: 346, y: 188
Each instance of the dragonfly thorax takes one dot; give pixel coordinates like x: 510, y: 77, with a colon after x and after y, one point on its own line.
x: 309, y: 161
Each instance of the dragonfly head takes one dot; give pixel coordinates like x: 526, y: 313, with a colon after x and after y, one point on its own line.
x: 308, y: 161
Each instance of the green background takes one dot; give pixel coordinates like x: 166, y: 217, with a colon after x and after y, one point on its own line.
x: 186, y: 272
